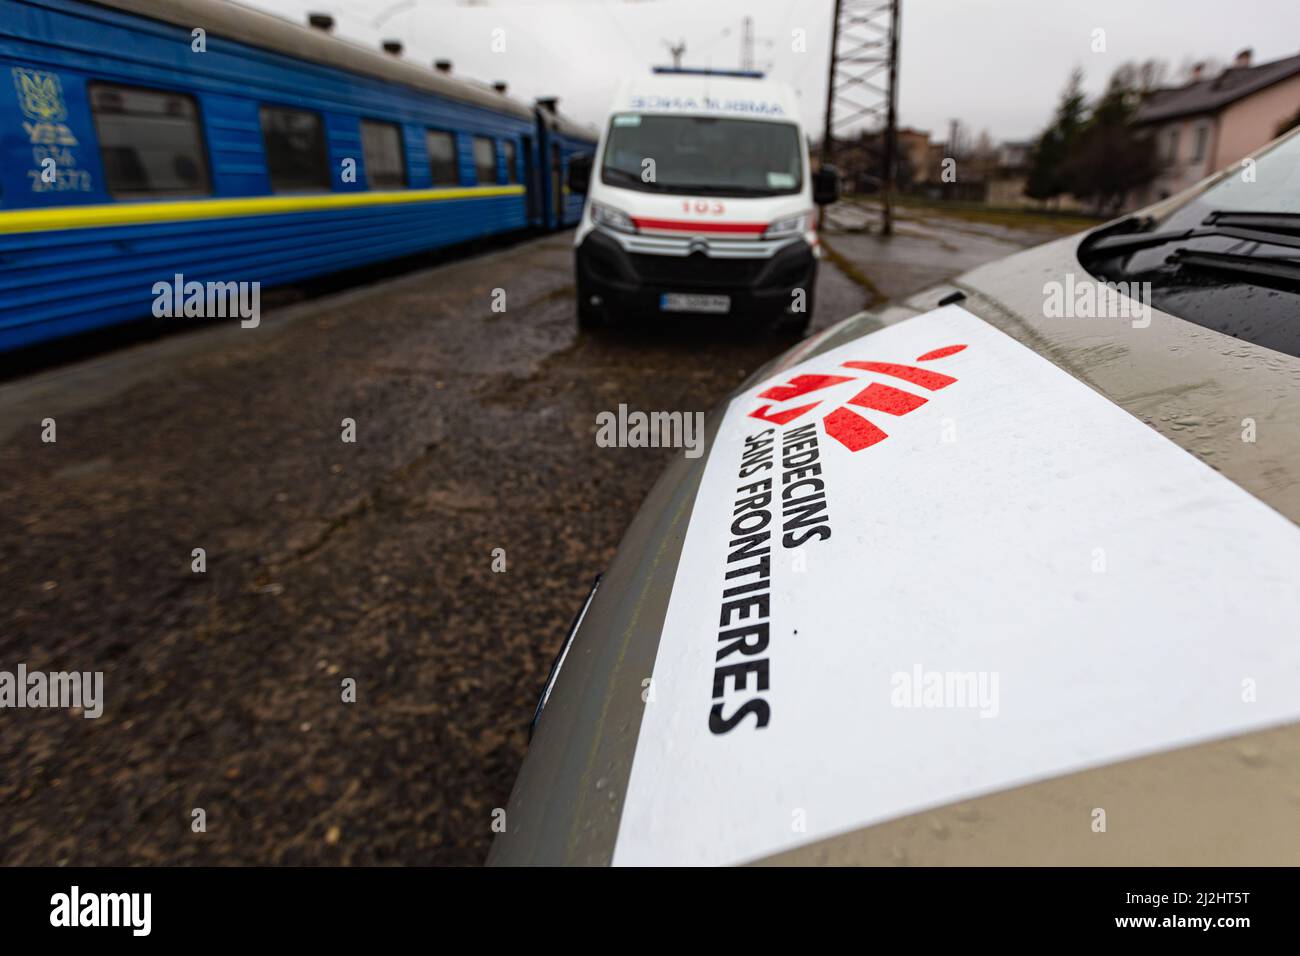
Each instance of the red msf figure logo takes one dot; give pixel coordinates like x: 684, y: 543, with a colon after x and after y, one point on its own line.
x: 845, y: 425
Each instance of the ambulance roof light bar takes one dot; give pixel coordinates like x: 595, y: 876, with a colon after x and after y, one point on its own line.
x: 702, y: 71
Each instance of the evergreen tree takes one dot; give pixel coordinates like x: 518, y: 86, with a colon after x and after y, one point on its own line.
x: 1047, y: 176
x: 1109, y: 157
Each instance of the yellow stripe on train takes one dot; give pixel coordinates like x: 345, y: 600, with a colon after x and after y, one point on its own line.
x: 130, y: 213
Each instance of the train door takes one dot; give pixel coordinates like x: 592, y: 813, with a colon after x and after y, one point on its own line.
x: 530, y: 181
x: 557, y: 184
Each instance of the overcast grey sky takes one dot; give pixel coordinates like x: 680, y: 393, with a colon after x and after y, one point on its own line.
x: 994, y: 64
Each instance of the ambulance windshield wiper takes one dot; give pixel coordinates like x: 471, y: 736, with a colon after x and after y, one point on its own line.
x: 635, y: 181
x: 1274, y: 228
x: 719, y: 189
x: 630, y: 179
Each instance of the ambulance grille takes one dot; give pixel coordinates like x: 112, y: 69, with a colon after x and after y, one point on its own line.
x: 696, y: 270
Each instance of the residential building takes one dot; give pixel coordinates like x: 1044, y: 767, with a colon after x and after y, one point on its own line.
x: 1213, y: 122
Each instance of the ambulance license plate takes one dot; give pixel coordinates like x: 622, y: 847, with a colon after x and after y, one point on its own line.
x: 688, y: 302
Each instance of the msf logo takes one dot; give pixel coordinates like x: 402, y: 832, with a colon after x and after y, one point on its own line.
x: 851, y: 429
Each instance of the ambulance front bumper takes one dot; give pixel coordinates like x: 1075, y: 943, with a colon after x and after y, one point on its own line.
x: 632, y: 279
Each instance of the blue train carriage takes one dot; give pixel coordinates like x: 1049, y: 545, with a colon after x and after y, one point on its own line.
x: 561, y: 138
x: 134, y: 149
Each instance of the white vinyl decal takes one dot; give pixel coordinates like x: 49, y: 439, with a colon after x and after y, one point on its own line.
x: 928, y: 565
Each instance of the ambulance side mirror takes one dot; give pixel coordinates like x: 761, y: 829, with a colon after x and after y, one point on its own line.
x: 826, y: 185
x: 579, y: 172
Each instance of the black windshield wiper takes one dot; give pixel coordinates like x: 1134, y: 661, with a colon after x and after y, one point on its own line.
x: 691, y: 189
x: 713, y: 189
x: 1249, y: 267
x: 1120, y: 245
x: 1283, y: 222
x: 632, y: 179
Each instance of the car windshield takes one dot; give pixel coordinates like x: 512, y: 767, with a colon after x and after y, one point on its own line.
x: 1229, y: 259
x: 702, y: 155
x: 1270, y: 183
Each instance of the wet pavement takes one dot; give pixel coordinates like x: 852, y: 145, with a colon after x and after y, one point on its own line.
x: 376, y: 561
x: 926, y: 247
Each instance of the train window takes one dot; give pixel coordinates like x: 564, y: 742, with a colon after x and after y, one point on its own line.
x: 381, y: 144
x: 150, y: 141
x: 485, y: 160
x: 442, y: 157
x: 295, y: 149
x: 512, y: 174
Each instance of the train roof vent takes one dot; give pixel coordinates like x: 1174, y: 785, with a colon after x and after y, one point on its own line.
x: 393, y: 46
x: 549, y: 103
x: 321, y: 21
x: 442, y: 66
x: 500, y: 87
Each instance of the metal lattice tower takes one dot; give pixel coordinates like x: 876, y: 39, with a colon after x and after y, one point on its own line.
x: 862, y: 83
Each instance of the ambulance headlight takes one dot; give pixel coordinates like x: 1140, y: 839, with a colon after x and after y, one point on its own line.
x: 782, y: 228
x: 611, y: 218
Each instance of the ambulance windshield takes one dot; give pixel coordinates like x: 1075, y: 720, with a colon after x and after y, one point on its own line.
x: 702, y: 155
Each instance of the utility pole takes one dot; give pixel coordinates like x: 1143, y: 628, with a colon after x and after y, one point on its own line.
x: 864, y: 46
x: 748, y: 43
x: 891, y: 128
x: 828, y: 149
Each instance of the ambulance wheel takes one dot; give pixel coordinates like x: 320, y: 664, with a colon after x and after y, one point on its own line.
x: 796, y: 323
x: 589, y: 316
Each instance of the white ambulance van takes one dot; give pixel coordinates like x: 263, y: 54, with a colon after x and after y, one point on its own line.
x: 700, y: 200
